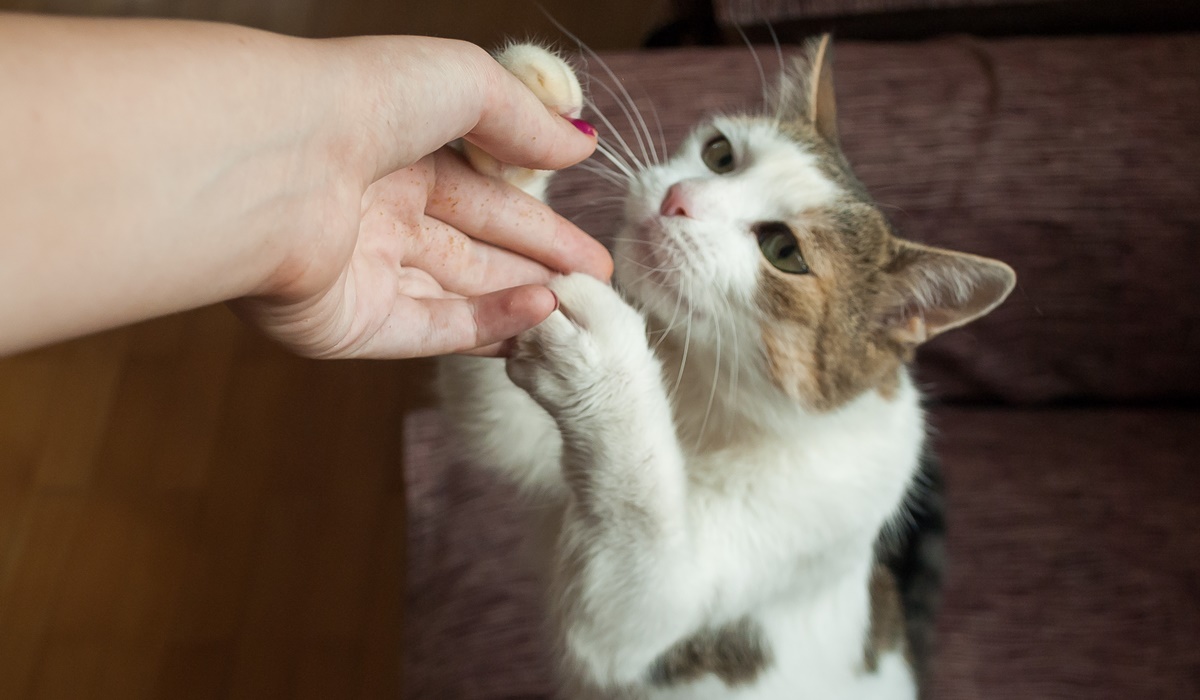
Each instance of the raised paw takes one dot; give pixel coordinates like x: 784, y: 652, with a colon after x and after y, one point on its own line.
x: 553, y: 81
x: 586, y: 353
x: 546, y: 74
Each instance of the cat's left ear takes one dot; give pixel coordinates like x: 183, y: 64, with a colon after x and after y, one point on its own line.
x: 931, y: 290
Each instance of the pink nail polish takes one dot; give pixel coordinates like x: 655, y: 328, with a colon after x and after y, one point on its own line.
x: 584, y: 127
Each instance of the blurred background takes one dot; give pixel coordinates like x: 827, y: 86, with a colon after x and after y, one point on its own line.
x: 603, y: 25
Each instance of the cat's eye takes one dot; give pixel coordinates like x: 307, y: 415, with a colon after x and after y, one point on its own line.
x: 778, y: 245
x: 718, y: 155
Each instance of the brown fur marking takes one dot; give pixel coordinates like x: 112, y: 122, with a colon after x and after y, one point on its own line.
x: 851, y: 324
x: 736, y: 653
x: 821, y: 331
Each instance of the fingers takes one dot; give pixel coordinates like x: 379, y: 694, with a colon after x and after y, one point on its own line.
x: 480, y: 325
x: 467, y: 267
x: 492, y: 211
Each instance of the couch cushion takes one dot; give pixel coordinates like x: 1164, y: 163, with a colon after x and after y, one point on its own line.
x: 1077, y: 161
x: 1072, y: 554
x: 1072, y: 562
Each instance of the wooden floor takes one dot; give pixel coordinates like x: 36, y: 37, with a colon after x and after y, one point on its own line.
x: 186, y: 511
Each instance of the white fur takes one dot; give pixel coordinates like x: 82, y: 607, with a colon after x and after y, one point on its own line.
x: 685, y: 493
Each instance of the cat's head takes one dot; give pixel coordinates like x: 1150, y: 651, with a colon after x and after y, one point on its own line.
x: 757, y: 230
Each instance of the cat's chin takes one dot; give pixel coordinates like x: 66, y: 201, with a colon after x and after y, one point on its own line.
x: 648, y: 259
x: 666, y: 305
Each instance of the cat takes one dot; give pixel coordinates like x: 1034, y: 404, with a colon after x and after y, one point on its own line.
x: 720, y: 457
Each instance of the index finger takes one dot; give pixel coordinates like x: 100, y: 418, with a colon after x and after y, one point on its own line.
x: 498, y: 213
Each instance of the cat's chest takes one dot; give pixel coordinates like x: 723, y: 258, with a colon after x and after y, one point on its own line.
x: 782, y: 496
x: 766, y: 525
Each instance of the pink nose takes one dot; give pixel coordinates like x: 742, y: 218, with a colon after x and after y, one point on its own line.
x: 676, y: 203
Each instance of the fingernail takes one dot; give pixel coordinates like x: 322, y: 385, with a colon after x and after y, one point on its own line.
x: 555, y: 299
x: 584, y: 126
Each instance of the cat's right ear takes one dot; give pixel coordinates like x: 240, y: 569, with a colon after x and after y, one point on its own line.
x: 822, y: 108
x: 806, y: 89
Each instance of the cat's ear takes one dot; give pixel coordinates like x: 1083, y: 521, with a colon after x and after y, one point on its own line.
x: 822, y: 109
x: 931, y: 290
x: 806, y: 89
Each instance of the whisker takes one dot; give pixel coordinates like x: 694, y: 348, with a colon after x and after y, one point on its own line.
x: 621, y: 153
x: 608, y: 175
x: 782, y: 72
x: 615, y: 80
x: 778, y: 49
x: 657, y: 244
x: 712, y: 392
x: 671, y: 324
x: 762, y: 74
x: 662, y: 139
x: 651, y: 268
x: 612, y: 129
x: 687, y: 343
x: 641, y: 120
x: 606, y: 204
x: 628, y: 117
x: 737, y: 364
x: 616, y: 160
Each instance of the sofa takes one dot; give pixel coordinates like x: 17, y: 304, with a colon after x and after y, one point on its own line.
x: 1066, y: 421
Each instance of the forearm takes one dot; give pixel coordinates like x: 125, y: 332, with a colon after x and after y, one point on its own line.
x: 149, y: 167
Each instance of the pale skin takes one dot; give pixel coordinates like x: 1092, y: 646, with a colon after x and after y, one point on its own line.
x: 155, y: 166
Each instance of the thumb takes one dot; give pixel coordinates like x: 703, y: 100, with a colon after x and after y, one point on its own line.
x: 515, y: 127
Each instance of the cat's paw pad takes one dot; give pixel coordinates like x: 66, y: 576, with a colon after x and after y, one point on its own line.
x: 586, y: 352
x: 553, y: 81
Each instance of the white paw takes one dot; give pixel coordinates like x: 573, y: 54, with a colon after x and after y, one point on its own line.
x: 546, y: 74
x: 553, y: 81
x: 586, y: 353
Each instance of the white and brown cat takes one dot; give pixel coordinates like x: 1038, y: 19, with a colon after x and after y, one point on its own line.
x: 714, y: 452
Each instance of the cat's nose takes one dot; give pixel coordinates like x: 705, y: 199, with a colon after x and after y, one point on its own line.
x: 676, y: 203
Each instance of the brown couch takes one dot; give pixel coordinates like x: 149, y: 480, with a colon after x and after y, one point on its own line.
x: 1066, y: 421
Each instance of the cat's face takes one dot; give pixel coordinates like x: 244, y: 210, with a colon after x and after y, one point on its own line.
x: 742, y: 236
x: 756, y: 233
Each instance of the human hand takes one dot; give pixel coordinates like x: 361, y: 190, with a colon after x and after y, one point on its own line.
x: 305, y: 180
x: 430, y: 257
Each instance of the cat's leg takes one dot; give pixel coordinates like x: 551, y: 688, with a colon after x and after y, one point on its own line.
x: 497, y: 423
x: 624, y: 585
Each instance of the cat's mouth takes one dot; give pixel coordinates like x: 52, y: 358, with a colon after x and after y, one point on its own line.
x: 655, y: 262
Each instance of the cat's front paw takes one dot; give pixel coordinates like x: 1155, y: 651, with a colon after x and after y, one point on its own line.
x: 547, y: 75
x: 553, y: 81
x: 580, y: 359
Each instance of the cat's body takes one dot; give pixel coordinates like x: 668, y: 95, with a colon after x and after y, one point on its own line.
x: 709, y: 509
